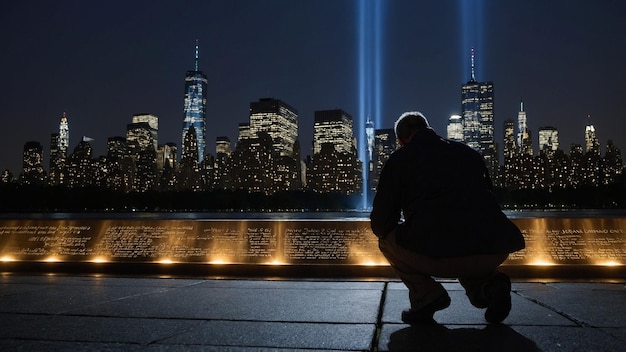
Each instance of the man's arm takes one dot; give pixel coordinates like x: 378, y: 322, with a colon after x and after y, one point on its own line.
x: 386, y: 206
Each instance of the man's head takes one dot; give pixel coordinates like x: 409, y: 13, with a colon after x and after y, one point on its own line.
x: 408, y: 124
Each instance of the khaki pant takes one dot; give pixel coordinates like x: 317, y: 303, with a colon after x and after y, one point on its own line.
x: 417, y: 272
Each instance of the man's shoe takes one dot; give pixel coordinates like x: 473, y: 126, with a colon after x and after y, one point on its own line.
x: 425, y: 314
x: 498, y: 294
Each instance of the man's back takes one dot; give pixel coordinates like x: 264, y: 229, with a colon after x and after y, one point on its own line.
x: 436, y: 172
x: 443, y: 190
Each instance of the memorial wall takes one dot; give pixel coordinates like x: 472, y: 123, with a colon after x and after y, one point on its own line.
x: 549, y: 241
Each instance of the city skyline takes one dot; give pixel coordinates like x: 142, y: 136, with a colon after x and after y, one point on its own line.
x: 94, y: 113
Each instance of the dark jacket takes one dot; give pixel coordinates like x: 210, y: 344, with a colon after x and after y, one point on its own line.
x: 443, y: 190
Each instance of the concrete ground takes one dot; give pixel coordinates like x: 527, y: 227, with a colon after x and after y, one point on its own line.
x: 115, y: 313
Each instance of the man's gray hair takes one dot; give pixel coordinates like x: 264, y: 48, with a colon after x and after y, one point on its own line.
x: 409, y: 123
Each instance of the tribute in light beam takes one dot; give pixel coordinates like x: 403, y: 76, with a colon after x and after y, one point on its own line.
x: 370, y: 16
x: 471, y: 12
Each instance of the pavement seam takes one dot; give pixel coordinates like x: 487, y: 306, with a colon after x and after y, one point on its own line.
x: 379, y: 319
x: 161, y: 290
x: 578, y: 322
x: 313, y: 322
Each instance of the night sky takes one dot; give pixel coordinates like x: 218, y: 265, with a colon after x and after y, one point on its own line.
x: 103, y: 61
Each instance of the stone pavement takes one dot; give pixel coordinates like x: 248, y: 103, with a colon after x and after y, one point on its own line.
x: 106, y: 313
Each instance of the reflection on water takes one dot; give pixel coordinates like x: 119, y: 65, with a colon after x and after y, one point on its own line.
x: 348, y: 215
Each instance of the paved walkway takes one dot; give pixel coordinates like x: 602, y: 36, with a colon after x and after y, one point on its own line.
x: 104, y: 313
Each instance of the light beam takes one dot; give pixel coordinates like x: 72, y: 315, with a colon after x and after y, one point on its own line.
x: 471, y: 13
x: 370, y: 22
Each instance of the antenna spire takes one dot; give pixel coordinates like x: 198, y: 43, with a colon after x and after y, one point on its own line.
x: 196, y: 54
x: 473, y: 76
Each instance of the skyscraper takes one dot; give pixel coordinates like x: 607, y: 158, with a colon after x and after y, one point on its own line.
x: 59, y: 145
x: 510, y: 146
x: 385, y: 144
x: 524, y: 138
x: 223, y: 155
x: 370, y: 163
x: 334, y: 127
x: 141, y: 137
x: 335, y: 166
x: 548, y: 139
x: 592, y: 143
x: 152, y: 122
x: 277, y: 119
x: 32, y: 164
x: 194, y: 110
x: 369, y: 131
x: 80, y: 165
x: 267, y: 154
x: 455, y: 128
x: 612, y: 164
x: 122, y: 168
x: 189, y: 167
x: 477, y: 105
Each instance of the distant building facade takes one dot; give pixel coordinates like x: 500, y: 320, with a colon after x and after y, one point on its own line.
x: 266, y: 159
x: 59, y: 146
x: 335, y: 166
x: 279, y: 120
x: 33, y: 172
x: 385, y: 144
x: 142, y: 143
x: 477, y: 113
x: 194, y: 109
x: 455, y: 128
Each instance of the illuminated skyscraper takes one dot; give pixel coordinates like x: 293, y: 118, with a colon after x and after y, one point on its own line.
x: 335, y: 165
x: 189, y: 167
x: 510, y: 167
x: 369, y: 131
x: 592, y: 166
x: 385, y: 144
x: 141, y: 138
x: 167, y: 166
x: 59, y: 145
x: 576, y: 174
x: 592, y: 143
x: 548, y: 139
x: 277, y: 119
x: 333, y: 127
x: 455, y: 128
x: 222, y: 146
x: 223, y: 157
x: 151, y: 122
x: 32, y: 164
x: 244, y: 132
x: 524, y: 138
x: 370, y: 162
x: 64, y: 135
x: 81, y: 166
x: 121, y: 165
x: 166, y: 156
x: 613, y: 164
x: 195, y: 106
x: 477, y: 106
x: 510, y: 146
x: 7, y: 177
x: 117, y: 148
x: 267, y: 153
